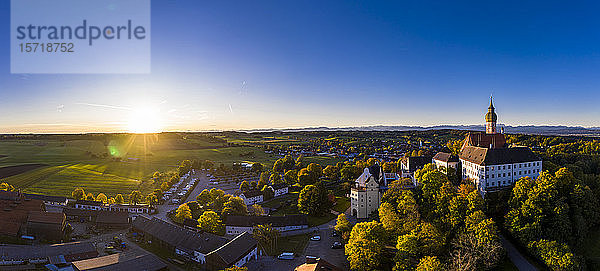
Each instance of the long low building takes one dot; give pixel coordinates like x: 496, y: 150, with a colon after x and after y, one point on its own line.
x: 239, y: 224
x: 196, y: 246
x: 116, y: 262
x: 66, y: 252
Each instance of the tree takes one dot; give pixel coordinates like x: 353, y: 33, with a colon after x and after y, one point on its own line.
x: 424, y: 240
x: 111, y: 200
x: 267, y: 192
x: 267, y: 236
x: 119, y: 199
x: 315, y: 170
x: 90, y: 197
x: 204, y: 198
x: 291, y: 177
x: 101, y: 197
x: 430, y: 263
x: 164, y: 186
x: 350, y: 172
x: 78, y: 194
x: 209, y: 222
x: 245, y: 186
x: 256, y: 210
x: 6, y: 187
x: 557, y: 256
x: 304, y: 177
x: 365, y: 246
x: 183, y: 212
x: 331, y: 172
x: 236, y: 268
x: 151, y: 199
x: 264, y: 176
x: 278, y: 166
x: 275, y: 178
x: 136, y: 196
x: 343, y: 226
x: 235, y: 206
x: 314, y: 200
x: 390, y: 220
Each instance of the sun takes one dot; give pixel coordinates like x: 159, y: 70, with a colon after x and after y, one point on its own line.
x: 145, y: 120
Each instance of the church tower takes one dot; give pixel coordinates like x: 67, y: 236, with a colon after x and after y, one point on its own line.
x: 490, y: 119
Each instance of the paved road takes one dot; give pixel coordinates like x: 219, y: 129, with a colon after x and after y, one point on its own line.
x: 515, y: 256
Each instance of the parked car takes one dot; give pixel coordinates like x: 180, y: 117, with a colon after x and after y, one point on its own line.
x: 286, y: 256
x: 316, y: 238
x: 336, y: 245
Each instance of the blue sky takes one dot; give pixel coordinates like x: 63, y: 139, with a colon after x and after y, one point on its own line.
x: 276, y: 64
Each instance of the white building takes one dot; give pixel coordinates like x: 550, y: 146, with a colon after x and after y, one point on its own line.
x: 490, y: 163
x: 238, y: 224
x: 280, y: 189
x: 365, y: 195
x: 132, y: 209
x: 252, y: 197
x: 89, y: 205
x: 444, y: 159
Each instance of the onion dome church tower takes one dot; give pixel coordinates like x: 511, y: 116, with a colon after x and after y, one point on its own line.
x: 490, y: 119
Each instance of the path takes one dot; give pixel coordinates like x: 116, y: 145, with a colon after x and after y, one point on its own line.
x: 515, y: 256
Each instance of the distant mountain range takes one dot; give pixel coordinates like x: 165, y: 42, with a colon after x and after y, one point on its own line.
x: 533, y: 130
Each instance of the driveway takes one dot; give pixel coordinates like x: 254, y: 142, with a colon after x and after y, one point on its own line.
x: 515, y: 256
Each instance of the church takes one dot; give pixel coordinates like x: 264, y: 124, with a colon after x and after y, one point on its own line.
x: 490, y: 163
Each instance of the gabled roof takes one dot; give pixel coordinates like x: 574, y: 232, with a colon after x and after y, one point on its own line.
x: 416, y: 162
x: 145, y: 262
x: 279, y: 186
x: 319, y: 265
x: 182, y: 238
x: 112, y: 217
x: 46, y: 217
x: 445, y: 157
x: 234, y: 250
x: 500, y: 156
x: 252, y: 193
x: 275, y: 221
x: 374, y: 171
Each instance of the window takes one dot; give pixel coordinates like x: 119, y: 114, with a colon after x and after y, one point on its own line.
x: 520, y: 165
x: 509, y: 174
x: 503, y: 167
x: 508, y: 166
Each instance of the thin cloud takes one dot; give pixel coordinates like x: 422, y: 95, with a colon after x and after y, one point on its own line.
x: 106, y: 106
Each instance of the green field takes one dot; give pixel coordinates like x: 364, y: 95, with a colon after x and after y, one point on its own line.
x: 119, y: 163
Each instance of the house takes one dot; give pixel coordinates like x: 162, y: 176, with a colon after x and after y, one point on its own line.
x: 317, y: 265
x: 46, y: 225
x: 252, y: 196
x: 239, y: 224
x: 409, y: 165
x: 132, y: 209
x: 121, y: 261
x: 14, y: 211
x: 182, y: 241
x: 366, y: 193
x: 67, y: 252
x: 53, y: 203
x: 112, y: 220
x: 445, y: 159
x: 89, y: 205
x: 280, y: 189
x: 81, y: 215
x: 490, y: 164
x: 237, y: 252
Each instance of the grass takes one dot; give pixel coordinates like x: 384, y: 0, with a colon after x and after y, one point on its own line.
x: 342, y: 204
x: 320, y: 220
x: 295, y: 244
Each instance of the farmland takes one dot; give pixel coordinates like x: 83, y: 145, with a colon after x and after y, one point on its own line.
x: 118, y: 163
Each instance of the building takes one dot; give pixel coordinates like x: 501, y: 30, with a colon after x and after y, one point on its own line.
x: 121, y: 261
x: 409, y: 165
x: 132, y: 209
x: 280, y: 189
x: 365, y: 195
x: 80, y: 215
x: 40, y: 254
x: 112, y: 220
x: 53, y: 203
x: 89, y: 205
x: 235, y: 224
x: 318, y: 264
x: 445, y: 159
x: 490, y: 164
x: 252, y: 196
x: 237, y: 252
x: 14, y: 211
x: 46, y: 225
x: 184, y: 242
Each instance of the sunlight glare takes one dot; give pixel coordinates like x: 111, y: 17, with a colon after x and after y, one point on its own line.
x: 145, y: 120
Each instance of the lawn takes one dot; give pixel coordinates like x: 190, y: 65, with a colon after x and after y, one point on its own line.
x: 342, y: 204
x: 295, y: 244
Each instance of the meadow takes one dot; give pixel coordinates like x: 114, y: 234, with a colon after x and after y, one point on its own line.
x: 117, y: 163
